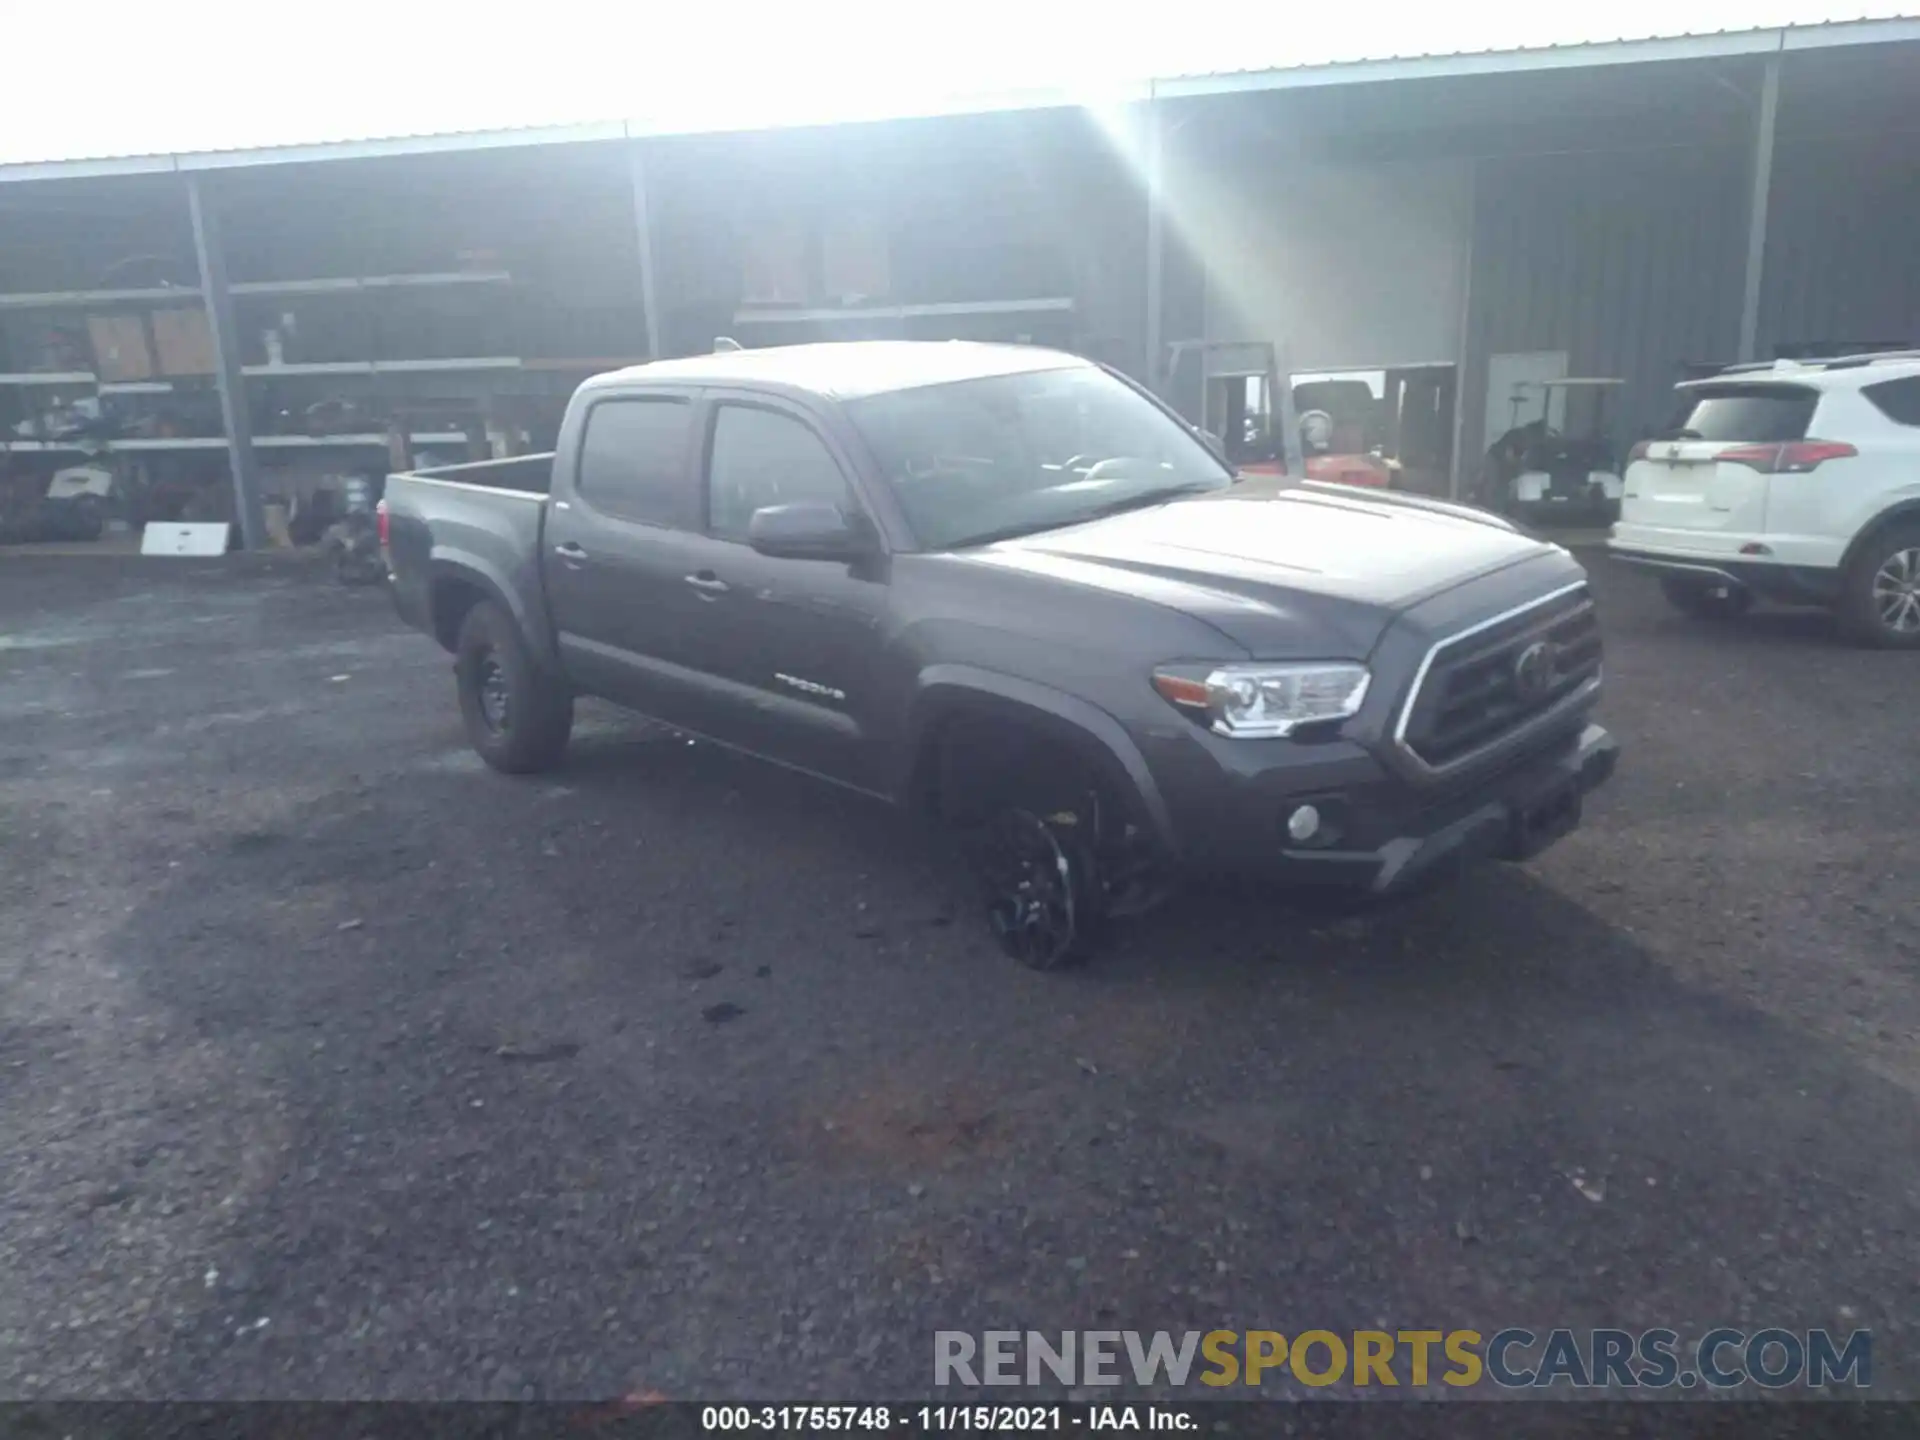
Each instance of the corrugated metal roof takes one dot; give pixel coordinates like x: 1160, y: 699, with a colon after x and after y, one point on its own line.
x: 1339, y: 56
x: 1560, y: 54
x: 1591, y: 42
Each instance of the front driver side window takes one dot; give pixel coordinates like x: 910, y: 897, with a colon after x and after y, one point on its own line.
x: 762, y: 457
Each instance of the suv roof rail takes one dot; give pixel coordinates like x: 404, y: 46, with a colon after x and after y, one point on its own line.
x: 1825, y: 362
x: 1869, y: 357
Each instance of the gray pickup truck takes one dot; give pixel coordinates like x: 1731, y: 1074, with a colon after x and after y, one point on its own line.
x: 1010, y: 586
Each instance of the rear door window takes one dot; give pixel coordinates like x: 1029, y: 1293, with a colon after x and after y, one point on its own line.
x: 634, y: 462
x: 1898, y: 400
x: 1752, y: 414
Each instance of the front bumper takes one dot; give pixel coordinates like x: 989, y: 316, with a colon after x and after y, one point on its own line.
x: 1383, y: 837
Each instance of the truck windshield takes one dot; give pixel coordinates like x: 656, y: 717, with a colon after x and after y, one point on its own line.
x: 982, y: 460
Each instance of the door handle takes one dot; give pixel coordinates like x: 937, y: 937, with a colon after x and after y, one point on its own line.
x: 707, y: 582
x: 571, y: 553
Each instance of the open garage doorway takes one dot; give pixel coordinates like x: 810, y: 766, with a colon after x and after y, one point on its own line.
x: 1387, y: 427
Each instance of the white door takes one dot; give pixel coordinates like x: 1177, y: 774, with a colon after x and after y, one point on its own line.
x: 1516, y: 378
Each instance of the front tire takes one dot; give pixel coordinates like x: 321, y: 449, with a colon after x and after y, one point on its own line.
x: 1034, y: 831
x: 1880, y: 592
x: 1705, y: 599
x: 1038, y: 882
x: 518, y: 718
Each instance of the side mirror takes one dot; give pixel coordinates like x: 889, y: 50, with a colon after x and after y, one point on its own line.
x: 809, y: 530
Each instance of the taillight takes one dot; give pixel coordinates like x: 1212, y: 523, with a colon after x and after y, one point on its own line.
x: 1639, y: 452
x: 1794, y: 457
x: 380, y: 519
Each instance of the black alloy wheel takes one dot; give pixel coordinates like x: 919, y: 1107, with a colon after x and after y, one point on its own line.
x: 1037, y: 884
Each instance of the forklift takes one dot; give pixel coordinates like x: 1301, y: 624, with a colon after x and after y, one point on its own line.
x: 1239, y: 390
x: 1244, y: 405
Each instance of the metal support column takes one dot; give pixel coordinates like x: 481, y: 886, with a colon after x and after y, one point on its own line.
x: 1285, y: 413
x: 1757, y: 209
x: 643, y: 234
x: 1156, y: 243
x: 1464, y: 353
x: 226, y: 361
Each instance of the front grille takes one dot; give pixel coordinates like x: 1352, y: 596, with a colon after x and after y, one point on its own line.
x: 1478, y: 688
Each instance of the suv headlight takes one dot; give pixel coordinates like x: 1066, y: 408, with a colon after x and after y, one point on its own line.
x: 1264, y: 701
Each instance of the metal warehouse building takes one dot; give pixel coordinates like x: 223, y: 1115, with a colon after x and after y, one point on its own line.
x: 1434, y: 234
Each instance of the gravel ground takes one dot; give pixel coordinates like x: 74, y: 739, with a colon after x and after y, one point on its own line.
x: 332, y: 1065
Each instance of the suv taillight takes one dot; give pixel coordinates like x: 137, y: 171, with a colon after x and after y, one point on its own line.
x: 1794, y: 457
x: 1639, y: 452
x: 380, y: 519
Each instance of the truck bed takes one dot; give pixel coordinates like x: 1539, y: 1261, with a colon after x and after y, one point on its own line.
x: 483, y: 520
x: 529, y: 474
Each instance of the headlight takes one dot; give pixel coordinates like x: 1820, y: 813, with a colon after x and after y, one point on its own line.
x: 1263, y: 701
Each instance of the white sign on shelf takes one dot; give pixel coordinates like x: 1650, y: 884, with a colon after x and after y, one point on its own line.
x: 169, y: 537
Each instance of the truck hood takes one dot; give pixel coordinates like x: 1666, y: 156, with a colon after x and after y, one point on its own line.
x: 1290, y: 571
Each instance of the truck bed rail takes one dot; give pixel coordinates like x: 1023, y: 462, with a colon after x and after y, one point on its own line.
x: 529, y: 476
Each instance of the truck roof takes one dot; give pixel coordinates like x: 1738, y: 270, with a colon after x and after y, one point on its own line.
x: 849, y: 369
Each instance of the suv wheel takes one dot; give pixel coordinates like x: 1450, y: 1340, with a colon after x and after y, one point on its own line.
x: 517, y: 717
x: 1880, y: 592
x: 1706, y: 599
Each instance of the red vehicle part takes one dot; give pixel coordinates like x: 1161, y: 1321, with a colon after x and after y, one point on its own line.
x: 1350, y: 470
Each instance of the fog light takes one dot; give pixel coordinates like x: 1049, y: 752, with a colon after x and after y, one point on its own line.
x: 1303, y: 824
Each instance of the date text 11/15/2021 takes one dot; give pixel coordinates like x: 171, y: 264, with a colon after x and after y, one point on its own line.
x: 943, y: 1419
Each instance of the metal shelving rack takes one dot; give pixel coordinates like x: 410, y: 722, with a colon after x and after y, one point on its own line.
x: 148, y: 297
x: 441, y: 400
x: 364, y: 288
x: 94, y: 299
x: 124, y: 298
x: 817, y: 314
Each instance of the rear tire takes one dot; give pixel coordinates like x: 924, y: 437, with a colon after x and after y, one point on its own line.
x: 1705, y: 599
x: 1880, y: 592
x: 518, y: 717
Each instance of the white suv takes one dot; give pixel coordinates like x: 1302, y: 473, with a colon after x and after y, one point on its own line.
x: 1798, y: 481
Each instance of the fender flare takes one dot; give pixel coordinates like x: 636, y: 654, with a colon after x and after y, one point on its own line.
x: 1905, y: 509
x: 469, y: 569
x: 947, y: 688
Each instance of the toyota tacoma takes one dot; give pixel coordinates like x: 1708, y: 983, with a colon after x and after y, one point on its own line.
x: 1009, y: 587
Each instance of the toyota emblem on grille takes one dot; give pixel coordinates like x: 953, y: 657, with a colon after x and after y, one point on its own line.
x: 1535, y: 669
